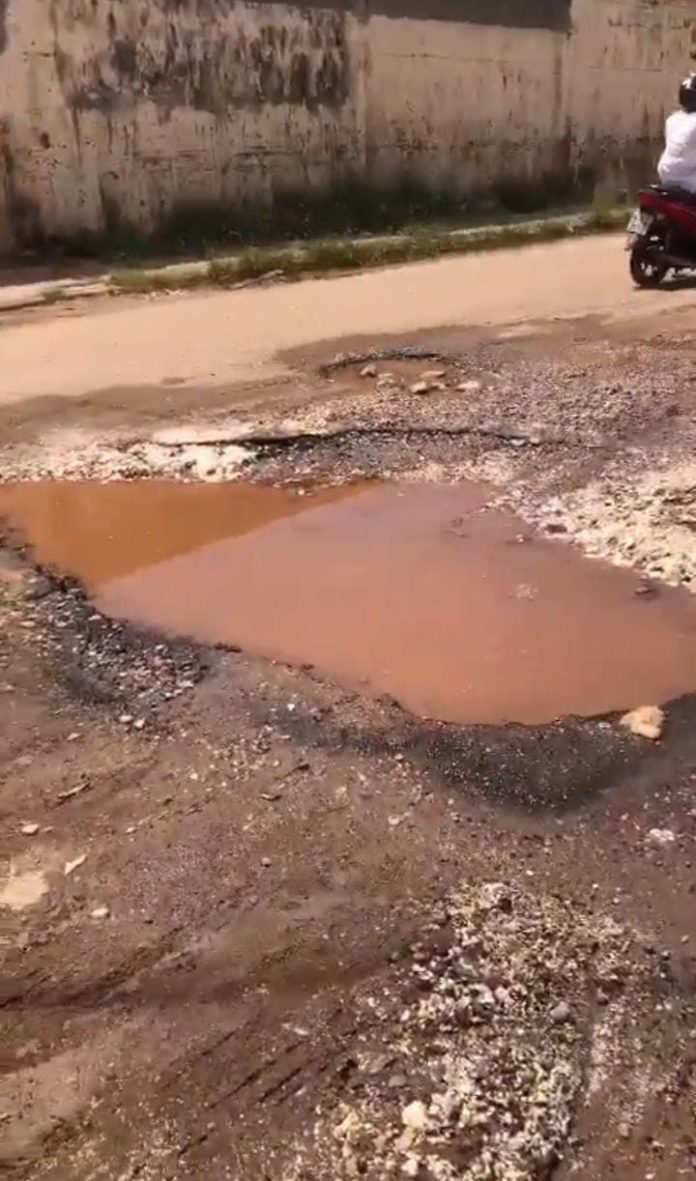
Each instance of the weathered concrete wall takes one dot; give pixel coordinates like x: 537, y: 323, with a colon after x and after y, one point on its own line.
x: 463, y: 104
x: 133, y: 106
x: 625, y: 61
x: 543, y: 88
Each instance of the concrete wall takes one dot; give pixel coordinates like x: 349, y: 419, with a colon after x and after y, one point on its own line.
x: 133, y: 106
x: 626, y: 59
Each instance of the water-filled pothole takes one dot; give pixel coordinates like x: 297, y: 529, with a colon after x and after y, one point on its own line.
x: 417, y: 591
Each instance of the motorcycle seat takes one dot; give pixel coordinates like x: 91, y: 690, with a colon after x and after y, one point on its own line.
x: 675, y: 192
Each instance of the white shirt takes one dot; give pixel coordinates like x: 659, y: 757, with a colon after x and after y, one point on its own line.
x: 678, y: 161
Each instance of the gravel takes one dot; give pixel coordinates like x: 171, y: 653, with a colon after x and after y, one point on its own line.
x: 102, y: 659
x: 639, y: 518
x: 489, y: 1041
x: 83, y: 455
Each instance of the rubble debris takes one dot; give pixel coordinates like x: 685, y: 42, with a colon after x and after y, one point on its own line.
x: 646, y: 722
x: 493, y: 1038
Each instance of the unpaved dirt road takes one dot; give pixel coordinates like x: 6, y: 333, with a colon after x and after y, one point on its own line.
x: 212, y: 338
x: 260, y: 920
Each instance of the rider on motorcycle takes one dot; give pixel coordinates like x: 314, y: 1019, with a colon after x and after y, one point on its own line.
x: 677, y: 166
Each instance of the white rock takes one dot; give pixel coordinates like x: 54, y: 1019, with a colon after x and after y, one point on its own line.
x: 415, y: 1116
x: 350, y: 1123
x: 661, y: 836
x: 420, y: 387
x: 368, y: 371
x: 71, y: 866
x: 560, y: 1013
x: 469, y: 387
x: 29, y: 830
x: 647, y: 721
x: 23, y: 889
x: 100, y: 912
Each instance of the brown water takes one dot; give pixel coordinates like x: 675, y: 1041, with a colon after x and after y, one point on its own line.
x: 417, y: 591
x: 99, y: 532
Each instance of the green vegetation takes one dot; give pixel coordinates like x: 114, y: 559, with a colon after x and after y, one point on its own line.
x: 347, y: 254
x: 350, y: 207
x: 53, y: 295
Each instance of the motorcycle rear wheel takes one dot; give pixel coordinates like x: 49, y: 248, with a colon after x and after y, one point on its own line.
x: 644, y: 271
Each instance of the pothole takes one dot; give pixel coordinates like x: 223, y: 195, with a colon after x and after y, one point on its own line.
x: 422, y: 592
x: 419, y: 375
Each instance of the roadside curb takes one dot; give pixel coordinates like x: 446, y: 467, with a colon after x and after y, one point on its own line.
x: 31, y: 295
x: 322, y: 257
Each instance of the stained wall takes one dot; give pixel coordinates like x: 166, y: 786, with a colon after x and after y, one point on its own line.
x: 129, y: 107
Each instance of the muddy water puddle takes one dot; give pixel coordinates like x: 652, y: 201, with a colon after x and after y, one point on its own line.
x: 418, y: 591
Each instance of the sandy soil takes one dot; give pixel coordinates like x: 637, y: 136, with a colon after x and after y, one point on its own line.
x: 256, y: 926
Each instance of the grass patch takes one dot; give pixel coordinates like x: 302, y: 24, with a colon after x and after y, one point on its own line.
x: 52, y: 295
x: 349, y: 207
x: 349, y: 254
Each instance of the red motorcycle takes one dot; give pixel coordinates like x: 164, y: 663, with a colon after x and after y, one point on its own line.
x: 662, y: 235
